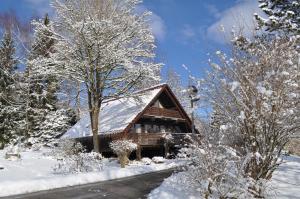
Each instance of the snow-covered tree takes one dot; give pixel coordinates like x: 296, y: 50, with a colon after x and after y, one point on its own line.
x: 7, y: 53
x: 45, y: 120
x: 123, y: 148
x: 282, y: 16
x: 175, y: 83
x: 105, y: 45
x: 42, y: 47
x: 55, y: 123
x: 256, y: 97
x: 10, y: 113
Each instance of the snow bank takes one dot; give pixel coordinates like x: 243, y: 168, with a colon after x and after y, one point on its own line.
x: 172, y: 188
x: 34, y: 173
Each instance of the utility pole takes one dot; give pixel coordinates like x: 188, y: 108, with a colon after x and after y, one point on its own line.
x: 193, y: 91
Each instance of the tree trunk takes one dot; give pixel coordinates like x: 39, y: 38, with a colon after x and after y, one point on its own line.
x: 139, y: 152
x: 94, y: 114
x: 78, y: 111
x: 166, y: 149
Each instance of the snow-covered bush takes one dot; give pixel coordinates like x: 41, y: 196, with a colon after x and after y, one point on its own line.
x: 168, y: 138
x: 216, y: 172
x: 255, y: 99
x: 72, y: 158
x: 123, y: 148
x: 158, y: 159
x: 13, y: 152
x: 146, y: 161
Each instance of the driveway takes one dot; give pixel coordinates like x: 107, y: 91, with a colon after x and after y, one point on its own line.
x: 134, y: 187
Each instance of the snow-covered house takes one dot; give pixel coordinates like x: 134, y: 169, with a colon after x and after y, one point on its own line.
x: 150, y: 119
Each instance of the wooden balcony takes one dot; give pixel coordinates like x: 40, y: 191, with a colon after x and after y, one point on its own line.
x: 144, y: 139
x: 150, y: 139
x: 161, y: 112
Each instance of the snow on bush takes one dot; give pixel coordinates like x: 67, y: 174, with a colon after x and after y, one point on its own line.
x: 215, y: 171
x: 158, y: 159
x: 13, y: 153
x: 168, y: 137
x: 146, y: 161
x: 72, y: 158
x: 123, y: 148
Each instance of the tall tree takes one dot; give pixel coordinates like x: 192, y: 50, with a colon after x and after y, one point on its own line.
x: 9, y: 108
x: 105, y: 45
x: 7, y: 53
x: 44, y: 120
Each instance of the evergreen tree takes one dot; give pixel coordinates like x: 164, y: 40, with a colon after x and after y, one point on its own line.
x: 11, y: 121
x: 283, y: 16
x: 44, y: 119
x: 7, y: 52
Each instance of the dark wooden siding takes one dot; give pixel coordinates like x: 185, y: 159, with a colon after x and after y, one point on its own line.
x: 155, y: 111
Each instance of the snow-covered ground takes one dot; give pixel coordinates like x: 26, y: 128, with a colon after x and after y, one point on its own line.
x: 34, y: 172
x: 285, y: 183
x: 286, y: 179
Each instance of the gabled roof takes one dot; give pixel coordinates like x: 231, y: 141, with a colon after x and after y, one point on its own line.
x: 119, y: 115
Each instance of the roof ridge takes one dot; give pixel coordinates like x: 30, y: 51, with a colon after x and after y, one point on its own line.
x: 138, y: 91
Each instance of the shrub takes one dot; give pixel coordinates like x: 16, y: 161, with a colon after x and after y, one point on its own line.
x: 123, y: 148
x: 72, y: 158
x: 216, y: 171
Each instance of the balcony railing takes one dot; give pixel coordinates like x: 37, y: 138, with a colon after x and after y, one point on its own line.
x: 143, y: 138
x: 155, y: 111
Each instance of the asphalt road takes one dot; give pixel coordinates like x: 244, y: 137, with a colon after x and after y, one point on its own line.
x: 134, y: 187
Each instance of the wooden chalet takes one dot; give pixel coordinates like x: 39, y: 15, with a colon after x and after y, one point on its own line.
x: 146, y: 119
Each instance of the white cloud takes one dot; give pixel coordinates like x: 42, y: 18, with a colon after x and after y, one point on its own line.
x: 191, y: 35
x: 157, y: 26
x: 156, y: 23
x: 237, y: 18
x: 213, y: 10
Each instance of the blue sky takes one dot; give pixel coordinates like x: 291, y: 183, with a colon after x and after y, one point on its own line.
x: 187, y: 31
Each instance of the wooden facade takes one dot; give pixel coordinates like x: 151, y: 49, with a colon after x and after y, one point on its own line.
x: 163, y: 115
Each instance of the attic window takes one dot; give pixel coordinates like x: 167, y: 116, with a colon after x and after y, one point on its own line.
x: 158, y: 104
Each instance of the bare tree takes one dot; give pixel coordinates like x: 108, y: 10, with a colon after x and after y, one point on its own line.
x: 105, y: 45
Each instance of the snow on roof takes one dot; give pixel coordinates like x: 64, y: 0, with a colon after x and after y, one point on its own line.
x: 115, y: 115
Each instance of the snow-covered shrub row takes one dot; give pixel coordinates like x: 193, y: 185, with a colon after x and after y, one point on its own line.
x: 72, y: 158
x: 123, y: 148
